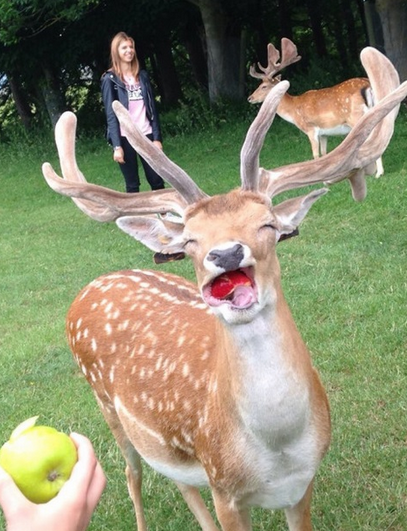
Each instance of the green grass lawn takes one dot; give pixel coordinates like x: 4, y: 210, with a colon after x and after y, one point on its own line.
x: 344, y: 278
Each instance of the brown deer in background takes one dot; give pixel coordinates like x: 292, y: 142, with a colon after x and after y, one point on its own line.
x: 211, y: 384
x: 317, y: 113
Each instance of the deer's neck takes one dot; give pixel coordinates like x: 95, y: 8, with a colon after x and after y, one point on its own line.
x: 288, y: 108
x: 266, y: 362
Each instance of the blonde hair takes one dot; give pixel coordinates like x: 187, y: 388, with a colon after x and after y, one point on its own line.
x: 114, y: 55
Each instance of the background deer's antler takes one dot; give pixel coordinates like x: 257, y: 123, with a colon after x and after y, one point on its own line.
x: 289, y: 56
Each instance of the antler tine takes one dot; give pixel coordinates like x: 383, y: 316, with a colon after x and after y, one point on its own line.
x: 249, y: 154
x: 359, y: 149
x: 381, y: 74
x: 98, y: 202
x: 168, y: 170
x: 383, y: 77
x: 273, y: 55
x: 289, y: 56
x: 65, y: 131
x: 103, y: 204
x: 351, y: 155
x: 253, y: 73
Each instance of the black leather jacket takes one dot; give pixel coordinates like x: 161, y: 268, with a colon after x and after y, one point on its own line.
x: 113, y: 88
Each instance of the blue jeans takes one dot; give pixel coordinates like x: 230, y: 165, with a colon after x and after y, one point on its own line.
x: 130, y: 169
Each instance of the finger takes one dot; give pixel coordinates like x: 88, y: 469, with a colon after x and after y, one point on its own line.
x: 11, y: 498
x: 87, y: 458
x: 87, y: 480
x: 96, y: 487
x: 84, y: 469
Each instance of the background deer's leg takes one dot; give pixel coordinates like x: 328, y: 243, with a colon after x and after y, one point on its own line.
x: 197, y: 506
x: 379, y: 167
x: 231, y: 518
x: 299, y: 516
x: 314, y: 139
x: 323, y: 144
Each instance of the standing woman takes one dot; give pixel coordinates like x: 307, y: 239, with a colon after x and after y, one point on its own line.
x: 124, y: 81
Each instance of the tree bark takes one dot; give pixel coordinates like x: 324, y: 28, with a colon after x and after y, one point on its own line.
x: 393, y: 16
x: 20, y: 100
x: 224, y: 53
x: 193, y: 43
x: 353, y: 45
x: 169, y: 84
x: 338, y: 31
x: 52, y: 94
x: 314, y: 13
x: 373, y: 26
x: 286, y: 25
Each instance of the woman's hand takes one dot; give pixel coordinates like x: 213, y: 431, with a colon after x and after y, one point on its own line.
x: 158, y: 144
x: 118, y: 155
x: 70, y: 510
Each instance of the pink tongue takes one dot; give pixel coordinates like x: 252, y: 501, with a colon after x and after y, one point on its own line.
x: 243, y: 296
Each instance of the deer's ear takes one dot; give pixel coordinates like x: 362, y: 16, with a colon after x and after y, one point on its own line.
x: 158, y: 234
x: 290, y: 213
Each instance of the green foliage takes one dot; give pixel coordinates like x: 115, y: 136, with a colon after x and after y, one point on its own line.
x: 78, y: 34
x: 26, y: 18
x: 344, y: 278
x: 195, y: 113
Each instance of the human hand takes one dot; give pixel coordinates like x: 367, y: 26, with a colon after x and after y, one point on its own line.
x: 70, y: 510
x: 158, y: 144
x: 118, y: 155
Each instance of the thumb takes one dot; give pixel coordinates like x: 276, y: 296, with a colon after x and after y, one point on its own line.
x: 10, y: 495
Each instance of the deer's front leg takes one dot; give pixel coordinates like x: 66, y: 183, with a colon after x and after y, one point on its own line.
x: 299, y: 516
x: 197, y: 506
x: 230, y: 517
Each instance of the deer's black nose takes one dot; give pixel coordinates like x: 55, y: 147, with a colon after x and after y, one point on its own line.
x: 227, y: 259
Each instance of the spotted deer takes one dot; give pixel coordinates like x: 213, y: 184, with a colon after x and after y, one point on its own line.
x: 211, y: 383
x: 318, y: 113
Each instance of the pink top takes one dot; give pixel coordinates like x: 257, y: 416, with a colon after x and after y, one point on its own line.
x: 137, y: 109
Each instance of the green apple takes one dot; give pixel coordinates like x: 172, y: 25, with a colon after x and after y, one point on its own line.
x: 39, y: 459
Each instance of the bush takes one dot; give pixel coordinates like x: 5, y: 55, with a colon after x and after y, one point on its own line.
x: 195, y: 113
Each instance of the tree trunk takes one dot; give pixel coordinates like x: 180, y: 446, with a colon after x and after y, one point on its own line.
x: 393, y: 16
x: 262, y: 34
x: 353, y: 45
x: 20, y: 100
x: 338, y: 31
x: 362, y: 16
x: 52, y: 94
x: 170, y: 88
x: 224, y: 53
x: 373, y: 26
x: 286, y: 25
x: 192, y: 38
x: 314, y: 13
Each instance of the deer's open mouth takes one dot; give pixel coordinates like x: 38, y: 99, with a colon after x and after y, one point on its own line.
x: 236, y: 288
